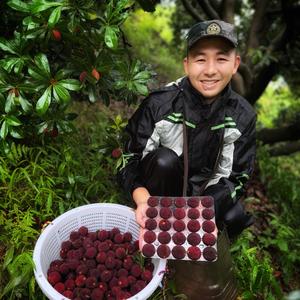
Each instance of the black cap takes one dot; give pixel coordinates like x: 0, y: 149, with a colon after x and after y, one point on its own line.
x: 211, y: 28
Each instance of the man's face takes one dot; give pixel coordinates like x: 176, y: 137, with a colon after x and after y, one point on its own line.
x: 210, y: 65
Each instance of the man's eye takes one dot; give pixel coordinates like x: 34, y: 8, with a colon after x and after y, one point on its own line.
x: 200, y: 60
x: 222, y: 59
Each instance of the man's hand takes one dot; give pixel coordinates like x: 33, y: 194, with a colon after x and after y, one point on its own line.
x: 140, y: 195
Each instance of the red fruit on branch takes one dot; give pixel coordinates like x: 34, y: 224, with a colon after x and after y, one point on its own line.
x: 56, y: 34
x: 54, y: 132
x: 116, y: 153
x: 82, y: 76
x: 95, y: 74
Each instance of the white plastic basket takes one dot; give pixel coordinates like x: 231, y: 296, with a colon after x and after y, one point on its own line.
x: 94, y: 217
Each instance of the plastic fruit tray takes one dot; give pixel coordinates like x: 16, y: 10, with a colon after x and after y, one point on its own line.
x: 94, y: 217
x: 180, y: 228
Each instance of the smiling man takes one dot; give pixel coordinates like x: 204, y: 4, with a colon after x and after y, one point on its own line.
x: 219, y: 126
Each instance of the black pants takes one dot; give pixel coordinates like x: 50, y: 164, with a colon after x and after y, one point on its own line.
x: 162, y: 172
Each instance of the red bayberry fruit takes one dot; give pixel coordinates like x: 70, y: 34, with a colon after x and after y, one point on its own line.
x: 60, y: 287
x: 106, y: 275
x: 164, y: 225
x: 193, y: 213
x: 152, y: 201
x: 103, y: 287
x: 122, y: 272
x: 97, y: 294
x: 102, y: 235
x: 163, y: 251
x: 178, y: 252
x: 116, y: 153
x: 208, y: 226
x: 80, y: 280
x: 149, y: 237
x: 208, y: 213
x: 123, y: 282
x: 128, y: 262
x: 54, y: 277
x: 68, y: 294
x: 165, y: 202
x: 179, y: 225
x: 194, y: 253
x: 193, y: 225
x: 83, y: 230
x: 94, y: 273
x: 64, y: 268
x: 136, y: 270
x: 91, y: 282
x: 164, y: 237
x: 127, y: 237
x: 146, y: 275
x: 151, y: 212
x: 110, y: 262
x: 70, y: 284
x: 118, y: 238
x: 148, y: 250
x: 66, y: 245
x: 95, y: 74
x: 56, y: 34
x: 210, y: 253
x: 150, y: 224
x: 82, y: 269
x: 165, y: 212
x: 82, y: 76
x: 104, y: 246
x: 207, y: 201
x: 74, y: 235
x: 54, y: 132
x: 209, y: 239
x: 90, y: 252
x: 178, y: 238
x: 179, y: 213
x: 120, y: 253
x: 193, y: 202
x: 149, y: 266
x: 194, y: 239
x: 101, y: 257
x: 180, y: 202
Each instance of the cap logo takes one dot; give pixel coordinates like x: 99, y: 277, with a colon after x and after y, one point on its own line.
x: 213, y: 28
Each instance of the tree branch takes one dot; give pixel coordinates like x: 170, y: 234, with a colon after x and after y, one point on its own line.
x: 209, y: 10
x: 256, y: 27
x: 246, y: 74
x: 228, y: 11
x: 191, y: 10
x: 261, y: 81
x: 285, y: 148
x: 275, y: 135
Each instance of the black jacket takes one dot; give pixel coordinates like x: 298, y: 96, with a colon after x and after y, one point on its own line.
x: 227, y: 125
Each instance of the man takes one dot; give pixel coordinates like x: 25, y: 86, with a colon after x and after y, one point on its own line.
x: 219, y: 128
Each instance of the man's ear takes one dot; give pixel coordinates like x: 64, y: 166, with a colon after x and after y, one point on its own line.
x: 237, y: 62
x: 185, y: 65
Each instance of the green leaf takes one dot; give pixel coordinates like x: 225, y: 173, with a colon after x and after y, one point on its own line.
x: 10, y: 103
x: 4, y: 130
x: 42, y: 63
x: 144, y: 75
x: 13, y: 121
x: 26, y: 106
x: 61, y: 93
x: 71, y: 84
x: 111, y: 37
x: 36, y: 73
x: 141, y: 88
x: 19, y: 5
x: 8, y: 257
x: 39, y: 6
x: 55, y: 16
x: 44, y: 101
x: 6, y: 46
x: 15, y: 133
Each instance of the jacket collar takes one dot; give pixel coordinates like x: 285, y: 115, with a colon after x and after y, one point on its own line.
x: 196, y: 103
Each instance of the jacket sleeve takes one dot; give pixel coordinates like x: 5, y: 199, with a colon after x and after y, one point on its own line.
x: 140, y: 141
x: 228, y: 190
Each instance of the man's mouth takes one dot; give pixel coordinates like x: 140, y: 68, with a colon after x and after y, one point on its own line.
x: 209, y: 84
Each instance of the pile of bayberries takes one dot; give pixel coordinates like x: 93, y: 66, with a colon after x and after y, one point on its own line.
x: 100, y: 265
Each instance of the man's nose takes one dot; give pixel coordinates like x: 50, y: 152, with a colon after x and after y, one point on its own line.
x: 210, y: 68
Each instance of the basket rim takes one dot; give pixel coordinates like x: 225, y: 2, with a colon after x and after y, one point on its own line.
x: 48, y: 289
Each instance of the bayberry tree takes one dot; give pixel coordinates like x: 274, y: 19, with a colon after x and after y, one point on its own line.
x: 52, y: 52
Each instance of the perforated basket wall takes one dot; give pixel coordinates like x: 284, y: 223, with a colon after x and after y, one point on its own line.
x: 94, y: 217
